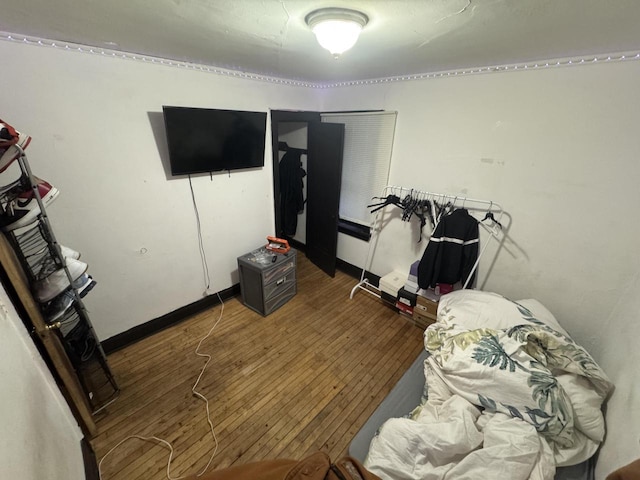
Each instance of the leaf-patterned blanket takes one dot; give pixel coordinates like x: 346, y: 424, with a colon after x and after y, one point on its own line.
x: 513, y: 364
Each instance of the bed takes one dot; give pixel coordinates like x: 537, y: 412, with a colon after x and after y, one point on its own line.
x: 507, y: 394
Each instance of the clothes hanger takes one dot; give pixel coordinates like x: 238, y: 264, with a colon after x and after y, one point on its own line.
x: 489, y: 216
x: 434, y: 209
x: 440, y: 206
x: 422, y: 211
x: 450, y: 207
x: 425, y: 209
x: 408, y: 205
x: 284, y: 147
x: 385, y: 200
x: 389, y: 200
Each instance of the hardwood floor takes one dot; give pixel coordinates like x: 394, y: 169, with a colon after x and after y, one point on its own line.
x: 305, y: 378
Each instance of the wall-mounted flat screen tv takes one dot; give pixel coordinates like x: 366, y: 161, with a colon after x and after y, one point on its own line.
x: 209, y: 140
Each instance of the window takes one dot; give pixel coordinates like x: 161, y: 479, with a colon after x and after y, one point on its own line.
x: 368, y: 142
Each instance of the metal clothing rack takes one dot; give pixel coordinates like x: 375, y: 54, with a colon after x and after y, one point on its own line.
x: 493, y: 211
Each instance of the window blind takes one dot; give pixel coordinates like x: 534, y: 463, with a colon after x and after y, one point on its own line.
x: 368, y: 143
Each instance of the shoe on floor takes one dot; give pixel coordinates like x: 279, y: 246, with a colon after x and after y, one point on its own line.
x: 23, y: 208
x: 10, y: 139
x: 56, y: 283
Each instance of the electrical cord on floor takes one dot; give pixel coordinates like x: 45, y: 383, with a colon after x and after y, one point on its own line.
x: 195, y: 393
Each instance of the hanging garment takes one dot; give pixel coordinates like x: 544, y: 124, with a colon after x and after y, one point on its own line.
x: 451, y: 252
x: 291, y: 186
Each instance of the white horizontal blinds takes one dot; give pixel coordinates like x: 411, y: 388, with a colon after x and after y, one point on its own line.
x: 368, y: 142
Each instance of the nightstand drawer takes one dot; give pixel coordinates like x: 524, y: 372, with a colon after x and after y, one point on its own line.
x: 277, y: 272
x: 279, y: 285
x: 280, y: 299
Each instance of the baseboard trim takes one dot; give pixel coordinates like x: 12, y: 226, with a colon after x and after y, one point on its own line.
x: 156, y: 325
x: 348, y: 268
x: 121, y: 340
x: 356, y: 272
x: 341, y: 265
x: 301, y: 247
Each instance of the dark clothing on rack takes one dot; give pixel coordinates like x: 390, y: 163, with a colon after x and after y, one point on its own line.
x: 451, y: 252
x: 291, y: 186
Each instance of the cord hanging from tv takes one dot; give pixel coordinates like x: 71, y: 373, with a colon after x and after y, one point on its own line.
x: 204, y: 140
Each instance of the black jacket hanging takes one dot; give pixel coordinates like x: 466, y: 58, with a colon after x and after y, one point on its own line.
x: 291, y: 196
x: 451, y: 252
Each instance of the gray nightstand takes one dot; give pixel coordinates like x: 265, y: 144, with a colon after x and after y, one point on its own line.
x: 267, y: 279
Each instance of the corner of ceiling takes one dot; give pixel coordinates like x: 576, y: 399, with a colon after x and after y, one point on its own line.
x: 538, y: 65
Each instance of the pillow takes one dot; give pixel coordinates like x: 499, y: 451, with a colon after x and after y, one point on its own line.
x: 473, y: 309
x: 540, y: 312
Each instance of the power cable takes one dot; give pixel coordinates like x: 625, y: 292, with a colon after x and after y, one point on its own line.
x: 203, y: 255
x: 153, y: 438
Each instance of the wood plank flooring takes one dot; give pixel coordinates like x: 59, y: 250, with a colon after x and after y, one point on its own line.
x: 305, y: 378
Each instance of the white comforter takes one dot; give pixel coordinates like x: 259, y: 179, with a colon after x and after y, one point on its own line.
x: 510, y: 396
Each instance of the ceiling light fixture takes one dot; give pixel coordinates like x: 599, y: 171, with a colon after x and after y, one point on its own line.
x: 337, y: 29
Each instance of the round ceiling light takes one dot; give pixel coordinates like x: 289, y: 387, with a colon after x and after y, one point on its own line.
x: 336, y: 29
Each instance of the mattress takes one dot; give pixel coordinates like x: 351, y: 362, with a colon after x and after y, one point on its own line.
x: 406, y: 395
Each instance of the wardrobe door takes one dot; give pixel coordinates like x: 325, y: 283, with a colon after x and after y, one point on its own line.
x: 324, y: 165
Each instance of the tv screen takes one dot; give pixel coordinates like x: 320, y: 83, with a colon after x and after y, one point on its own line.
x: 209, y: 140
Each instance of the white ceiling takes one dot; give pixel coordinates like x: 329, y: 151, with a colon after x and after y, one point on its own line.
x: 269, y: 37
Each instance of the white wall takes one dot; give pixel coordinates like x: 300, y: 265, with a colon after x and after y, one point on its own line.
x: 558, y: 148
x: 619, y: 358
x: 39, y: 438
x: 98, y: 136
